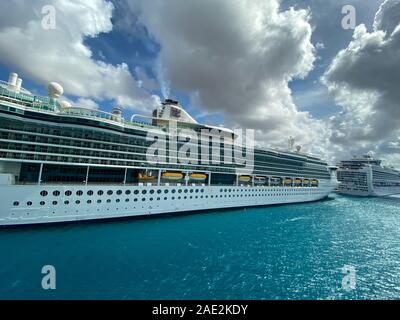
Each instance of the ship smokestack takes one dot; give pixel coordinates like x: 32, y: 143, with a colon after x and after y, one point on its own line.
x: 12, y: 80
x: 18, y: 85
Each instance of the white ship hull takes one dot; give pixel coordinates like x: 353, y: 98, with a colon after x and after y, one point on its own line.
x: 25, y: 204
x: 373, y: 192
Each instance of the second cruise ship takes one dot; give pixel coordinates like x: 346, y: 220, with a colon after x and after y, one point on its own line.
x: 365, y: 176
x: 64, y: 163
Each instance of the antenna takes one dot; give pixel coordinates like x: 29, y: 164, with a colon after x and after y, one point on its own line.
x: 291, y: 143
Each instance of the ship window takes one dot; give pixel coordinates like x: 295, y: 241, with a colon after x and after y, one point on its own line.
x: 90, y: 192
x: 159, y: 191
x: 100, y: 192
x: 42, y: 203
x: 136, y: 192
x: 99, y: 201
x: 143, y: 199
x: 180, y: 191
x: 68, y: 192
x: 16, y: 204
x: 55, y: 202
x: 79, y: 193
x: 108, y: 200
x: 56, y: 193
x: 77, y: 202
x: 29, y: 203
x: 144, y: 192
x: 66, y: 202
x: 43, y: 193
x: 166, y: 191
x: 173, y: 191
x: 89, y: 201
x: 127, y: 192
x: 117, y: 200
x: 127, y: 200
x: 109, y: 192
x: 151, y: 191
x: 135, y: 200
x: 119, y: 192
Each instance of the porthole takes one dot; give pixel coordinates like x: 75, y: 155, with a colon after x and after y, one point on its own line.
x: 89, y: 201
x: 100, y: 192
x: 99, y: 201
x: 119, y: 192
x: 42, y: 203
x: 191, y: 190
x: 128, y: 192
x: 109, y: 192
x: 144, y: 191
x: 77, y: 202
x: 108, y: 200
x: 151, y: 191
x: 68, y: 193
x: 135, y: 200
x: 66, y: 202
x: 186, y: 191
x: 90, y: 193
x: 16, y: 203
x: 143, y: 199
x: 173, y: 191
x: 166, y: 191
x: 79, y: 193
x: 159, y: 191
x: 136, y: 192
x: 55, y: 203
x: 56, y: 193
x: 117, y: 200
x: 29, y: 203
x: 180, y: 191
x: 44, y: 193
x: 127, y: 200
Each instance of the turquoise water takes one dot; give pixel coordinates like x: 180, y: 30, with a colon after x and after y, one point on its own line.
x: 281, y: 252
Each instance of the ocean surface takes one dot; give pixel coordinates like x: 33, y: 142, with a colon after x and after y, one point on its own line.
x: 281, y: 252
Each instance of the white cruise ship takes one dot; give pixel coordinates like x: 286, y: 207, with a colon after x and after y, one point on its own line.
x: 62, y: 163
x: 365, y: 176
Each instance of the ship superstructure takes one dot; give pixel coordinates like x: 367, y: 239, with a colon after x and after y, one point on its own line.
x: 365, y: 176
x: 64, y: 163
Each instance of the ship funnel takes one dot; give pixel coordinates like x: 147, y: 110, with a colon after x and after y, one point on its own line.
x: 18, y: 85
x: 12, y: 81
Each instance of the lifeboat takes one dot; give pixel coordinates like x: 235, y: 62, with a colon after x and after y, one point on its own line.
x: 172, y: 176
x: 200, y: 177
x: 288, y: 181
x: 260, y: 180
x: 275, y: 181
x: 147, y: 176
x: 244, y: 179
x: 298, y: 182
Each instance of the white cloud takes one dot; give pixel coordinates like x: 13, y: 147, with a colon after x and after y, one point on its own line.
x: 364, y: 80
x: 61, y: 55
x: 86, y: 103
x: 237, y: 58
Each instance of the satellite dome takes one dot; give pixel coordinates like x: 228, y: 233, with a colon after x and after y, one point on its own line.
x: 65, y: 104
x: 55, y: 90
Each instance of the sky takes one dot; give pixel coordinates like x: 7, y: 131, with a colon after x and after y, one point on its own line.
x: 281, y: 67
